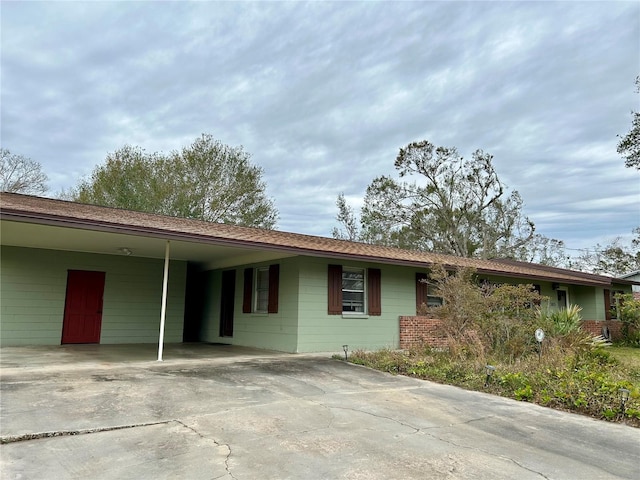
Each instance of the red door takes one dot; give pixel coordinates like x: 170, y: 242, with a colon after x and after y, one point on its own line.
x: 83, y: 307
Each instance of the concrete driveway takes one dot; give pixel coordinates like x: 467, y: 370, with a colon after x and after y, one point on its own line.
x: 224, y: 412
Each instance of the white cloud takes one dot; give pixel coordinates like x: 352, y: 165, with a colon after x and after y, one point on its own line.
x: 322, y: 95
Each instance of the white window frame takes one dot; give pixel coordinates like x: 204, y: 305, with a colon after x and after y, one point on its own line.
x: 257, y: 289
x: 439, y: 301
x: 364, y: 290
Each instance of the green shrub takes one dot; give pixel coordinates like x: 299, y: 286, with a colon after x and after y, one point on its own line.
x: 586, y: 382
x: 629, y: 313
x: 494, y: 324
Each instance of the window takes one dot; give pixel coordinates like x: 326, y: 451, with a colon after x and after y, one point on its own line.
x: 261, y: 287
x: 261, y: 295
x: 612, y: 304
x: 354, y: 291
x: 425, y: 297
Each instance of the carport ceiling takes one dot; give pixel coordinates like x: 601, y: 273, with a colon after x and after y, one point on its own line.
x: 208, y: 255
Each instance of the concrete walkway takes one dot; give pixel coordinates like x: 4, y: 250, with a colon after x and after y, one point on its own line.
x: 207, y: 412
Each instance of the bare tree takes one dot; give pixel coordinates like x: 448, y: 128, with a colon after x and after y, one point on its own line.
x: 19, y: 174
x: 346, y: 217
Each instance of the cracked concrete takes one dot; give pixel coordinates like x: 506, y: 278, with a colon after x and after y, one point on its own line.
x: 247, y: 415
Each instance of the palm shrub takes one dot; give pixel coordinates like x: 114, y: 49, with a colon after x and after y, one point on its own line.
x: 562, y: 322
x: 563, y: 328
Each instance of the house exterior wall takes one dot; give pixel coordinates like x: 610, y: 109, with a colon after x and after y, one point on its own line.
x: 320, y: 332
x: 33, y: 289
x: 635, y: 276
x: 273, y: 331
x: 591, y: 299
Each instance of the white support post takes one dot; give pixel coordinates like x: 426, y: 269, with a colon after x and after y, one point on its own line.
x: 163, y: 312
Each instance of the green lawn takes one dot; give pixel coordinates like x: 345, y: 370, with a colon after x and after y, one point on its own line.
x: 628, y: 356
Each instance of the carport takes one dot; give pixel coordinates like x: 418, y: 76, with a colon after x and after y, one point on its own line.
x: 109, y: 233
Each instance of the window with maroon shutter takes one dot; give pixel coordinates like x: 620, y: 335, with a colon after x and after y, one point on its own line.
x: 261, y: 289
x: 421, y: 291
x: 354, y: 290
x: 425, y: 293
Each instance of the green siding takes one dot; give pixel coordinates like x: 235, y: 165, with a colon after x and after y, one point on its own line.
x: 33, y: 286
x: 274, y: 331
x: 319, y: 331
x: 591, y: 300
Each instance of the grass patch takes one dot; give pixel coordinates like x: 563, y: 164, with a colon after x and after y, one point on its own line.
x: 587, y: 382
x: 628, y: 356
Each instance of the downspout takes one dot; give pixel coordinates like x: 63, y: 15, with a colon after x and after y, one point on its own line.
x: 163, y: 311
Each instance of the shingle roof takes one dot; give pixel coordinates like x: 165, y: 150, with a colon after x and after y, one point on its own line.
x: 90, y: 217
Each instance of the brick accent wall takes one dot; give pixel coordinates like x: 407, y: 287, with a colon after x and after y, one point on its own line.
x: 416, y: 331
x: 595, y: 327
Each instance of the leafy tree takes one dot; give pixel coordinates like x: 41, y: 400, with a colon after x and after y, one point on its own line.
x: 613, y: 259
x: 629, y: 145
x: 452, y: 206
x: 19, y: 174
x: 206, y: 180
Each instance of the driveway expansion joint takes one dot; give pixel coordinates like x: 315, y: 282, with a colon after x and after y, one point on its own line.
x: 68, y: 433
x: 384, y: 417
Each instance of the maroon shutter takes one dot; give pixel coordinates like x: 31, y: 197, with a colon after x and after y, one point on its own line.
x: 374, y: 296
x: 607, y: 304
x: 247, y: 295
x: 421, y: 290
x: 335, y: 289
x: 274, y: 280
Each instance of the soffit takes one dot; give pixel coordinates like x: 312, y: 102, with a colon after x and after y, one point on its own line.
x: 50, y: 237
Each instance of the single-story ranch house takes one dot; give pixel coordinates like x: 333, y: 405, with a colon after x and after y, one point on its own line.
x: 74, y: 273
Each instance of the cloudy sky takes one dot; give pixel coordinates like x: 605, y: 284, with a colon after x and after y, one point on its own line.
x: 324, y: 94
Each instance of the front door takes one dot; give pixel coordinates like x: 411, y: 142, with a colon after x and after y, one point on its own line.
x: 83, y: 307
x: 562, y: 299
x: 227, y: 298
